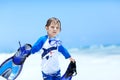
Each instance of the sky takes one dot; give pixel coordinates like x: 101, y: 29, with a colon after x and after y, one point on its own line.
x: 84, y: 22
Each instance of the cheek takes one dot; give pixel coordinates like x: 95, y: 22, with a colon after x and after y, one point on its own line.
x: 58, y: 31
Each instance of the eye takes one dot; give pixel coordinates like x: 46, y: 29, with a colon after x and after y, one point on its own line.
x: 52, y: 27
x: 57, y: 28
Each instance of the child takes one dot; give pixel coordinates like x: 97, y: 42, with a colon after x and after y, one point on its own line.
x: 50, y: 46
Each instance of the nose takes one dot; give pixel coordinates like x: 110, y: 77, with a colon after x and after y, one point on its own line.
x: 55, y: 28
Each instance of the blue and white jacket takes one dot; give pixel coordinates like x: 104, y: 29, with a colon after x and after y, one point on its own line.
x: 50, y: 49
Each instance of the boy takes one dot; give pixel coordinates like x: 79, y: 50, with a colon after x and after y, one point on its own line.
x: 50, y: 46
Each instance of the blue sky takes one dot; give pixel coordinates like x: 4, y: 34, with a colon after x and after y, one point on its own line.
x: 83, y: 22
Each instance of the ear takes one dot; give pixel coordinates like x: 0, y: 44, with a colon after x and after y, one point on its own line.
x: 46, y: 27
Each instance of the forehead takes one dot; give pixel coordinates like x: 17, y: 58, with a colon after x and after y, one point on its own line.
x: 55, y: 23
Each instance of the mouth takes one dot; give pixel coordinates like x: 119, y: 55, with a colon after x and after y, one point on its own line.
x: 54, y: 32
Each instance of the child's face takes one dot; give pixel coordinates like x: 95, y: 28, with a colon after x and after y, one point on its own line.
x: 53, y: 29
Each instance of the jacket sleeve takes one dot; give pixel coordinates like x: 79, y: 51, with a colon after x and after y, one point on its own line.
x: 38, y: 45
x: 64, y: 52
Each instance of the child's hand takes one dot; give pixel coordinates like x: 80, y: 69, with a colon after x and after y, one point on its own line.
x: 71, y: 59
